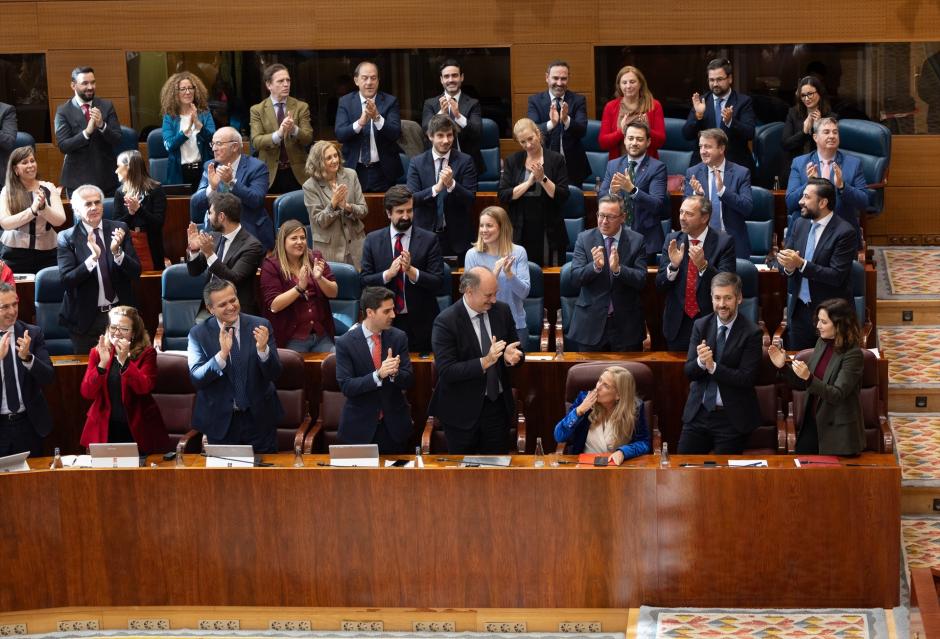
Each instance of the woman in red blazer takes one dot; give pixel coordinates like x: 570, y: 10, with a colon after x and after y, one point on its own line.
x: 633, y: 102
x: 121, y: 374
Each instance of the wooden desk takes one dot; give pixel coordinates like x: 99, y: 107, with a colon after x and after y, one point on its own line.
x: 447, y: 537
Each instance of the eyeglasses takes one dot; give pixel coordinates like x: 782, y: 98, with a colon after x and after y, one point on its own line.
x: 216, y: 145
x: 604, y: 217
x: 8, y: 307
x: 186, y: 89
x: 114, y: 328
x: 803, y: 96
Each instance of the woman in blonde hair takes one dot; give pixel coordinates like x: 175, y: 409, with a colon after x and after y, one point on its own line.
x: 633, y: 101
x: 119, y: 380
x: 608, y: 420
x: 187, y: 128
x: 297, y: 285
x: 494, y: 250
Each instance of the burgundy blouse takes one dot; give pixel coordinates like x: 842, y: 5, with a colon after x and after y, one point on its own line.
x: 304, y: 316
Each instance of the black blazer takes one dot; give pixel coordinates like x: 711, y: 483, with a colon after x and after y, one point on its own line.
x: 557, y: 172
x: 736, y: 371
x: 458, y: 203
x: 7, y: 136
x: 740, y: 133
x: 80, y: 303
x: 539, y: 109
x: 468, y: 137
x: 240, y: 267
x: 719, y: 253
x: 458, y: 397
x: 88, y: 161
x: 39, y: 374
x: 150, y: 215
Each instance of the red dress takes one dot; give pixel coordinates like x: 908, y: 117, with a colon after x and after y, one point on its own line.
x: 611, y: 137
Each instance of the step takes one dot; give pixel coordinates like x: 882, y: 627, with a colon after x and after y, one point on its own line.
x: 913, y: 400
x: 909, y: 312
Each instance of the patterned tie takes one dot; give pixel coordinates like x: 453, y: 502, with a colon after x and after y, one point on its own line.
x: 559, y: 130
x: 609, y: 244
x: 718, y: 103
x: 9, y: 379
x: 377, y: 356
x: 826, y: 169
x: 715, y: 221
x: 87, y: 111
x: 282, y: 158
x: 808, y: 256
x: 365, y: 151
x: 104, y: 267
x: 238, y: 378
x: 628, y: 201
x: 691, y: 287
x: 710, y: 400
x: 492, y: 380
x: 441, y: 223
x: 398, y: 282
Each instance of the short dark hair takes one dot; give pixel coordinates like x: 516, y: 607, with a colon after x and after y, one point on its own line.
x: 449, y: 62
x: 727, y: 278
x: 374, y: 296
x: 271, y: 69
x: 214, y: 285
x: 704, y: 205
x: 6, y: 287
x: 824, y: 190
x: 557, y: 63
x: 720, y: 63
x: 396, y: 196
x: 609, y: 199
x: 638, y: 124
x: 227, y: 203
x: 77, y: 71
x: 440, y: 123
x: 359, y: 66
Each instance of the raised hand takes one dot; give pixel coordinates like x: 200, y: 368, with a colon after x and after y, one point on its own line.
x: 676, y: 253
x: 597, y: 254
x: 22, y: 346
x: 122, y: 348
x: 705, y: 354
x: 318, y: 267
x: 132, y: 204
x: 512, y: 354
x: 226, y: 335
x: 726, y: 114
x: 777, y: 356
x: 553, y: 114
x: 496, y: 350
x: 39, y: 202
x: 697, y: 257
x: 389, y: 367
x: 192, y: 237
x: 213, y: 176
x: 261, y: 336
x: 587, y: 403
x: 699, y: 105
x: 696, y: 186
x: 719, y: 183
x: 836, y: 175
x: 614, y: 260
x: 93, y: 246
x: 800, y: 369
x: 811, y: 170
x: 117, y: 236
x: 104, y: 351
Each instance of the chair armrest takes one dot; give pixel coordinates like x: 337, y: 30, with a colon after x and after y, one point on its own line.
x: 312, y: 436
x: 647, y: 340
x: 791, y: 432
x: 301, y: 433
x: 158, y: 335
x: 560, y: 448
x: 520, y: 432
x: 191, y: 441
x: 887, y: 437
x: 878, y: 185
x: 426, y: 436
x: 866, y: 329
x: 781, y: 329
x: 765, y: 340
x: 543, y: 336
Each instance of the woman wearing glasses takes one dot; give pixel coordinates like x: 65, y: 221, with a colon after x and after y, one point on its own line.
x: 187, y: 128
x: 812, y: 103
x: 119, y: 380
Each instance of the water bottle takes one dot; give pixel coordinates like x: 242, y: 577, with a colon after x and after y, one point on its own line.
x: 298, y: 457
x: 664, y: 456
x: 56, y: 460
x: 776, y: 183
x: 419, y: 459
x: 180, y: 449
x: 539, y: 453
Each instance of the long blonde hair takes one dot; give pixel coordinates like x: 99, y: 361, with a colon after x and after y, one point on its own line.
x: 623, y: 416
x: 504, y: 243
x: 286, y: 230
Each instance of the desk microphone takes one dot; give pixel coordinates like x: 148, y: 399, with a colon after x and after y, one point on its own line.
x: 256, y: 463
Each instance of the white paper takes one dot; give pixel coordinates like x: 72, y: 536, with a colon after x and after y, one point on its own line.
x: 115, y: 462
x: 756, y: 463
x: 76, y: 461
x: 229, y: 462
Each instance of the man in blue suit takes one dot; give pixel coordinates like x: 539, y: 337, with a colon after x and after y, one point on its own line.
x: 726, y: 109
x: 233, y: 365
x: 817, y: 259
x: 368, y: 123
x: 842, y: 169
x: 609, y: 266
x: 373, y: 370
x: 562, y: 117
x: 444, y: 183
x: 726, y: 185
x: 640, y: 182
x: 230, y: 171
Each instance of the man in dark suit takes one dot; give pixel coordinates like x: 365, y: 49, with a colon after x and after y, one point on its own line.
x: 7, y: 136
x: 233, y: 366
x: 691, y: 257
x: 97, y: 264
x: 373, y: 370
x: 817, y: 259
x: 475, y: 345
x: 842, y: 169
x: 25, y: 367
x: 725, y: 109
x: 609, y: 266
x: 562, y: 116
x: 726, y: 185
x: 640, y: 182
x: 444, y: 183
x: 229, y: 252
x: 87, y: 131
x: 368, y: 123
x: 723, y: 362
x: 230, y: 171
x: 407, y: 260
x: 465, y: 112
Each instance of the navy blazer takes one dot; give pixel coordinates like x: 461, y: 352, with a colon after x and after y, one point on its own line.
x: 173, y: 140
x: 92, y: 160
x: 7, y: 136
x: 31, y: 379
x: 719, y: 253
x: 740, y: 133
x: 736, y: 203
x: 80, y: 303
x: 470, y: 136
x: 212, y: 412
x: 598, y: 289
x: 458, y: 204
x: 240, y: 266
x: 539, y: 110
x: 251, y: 187
x: 365, y: 400
x: 735, y: 372
x: 851, y: 202
x: 386, y: 138
x: 650, y: 200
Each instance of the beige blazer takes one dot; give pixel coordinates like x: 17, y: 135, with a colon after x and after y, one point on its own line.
x: 263, y: 126
x: 336, y: 233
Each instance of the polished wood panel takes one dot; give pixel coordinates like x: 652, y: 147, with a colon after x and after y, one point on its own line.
x: 109, y: 65
x: 914, y: 159
x: 909, y: 211
x: 19, y: 29
x: 530, y: 63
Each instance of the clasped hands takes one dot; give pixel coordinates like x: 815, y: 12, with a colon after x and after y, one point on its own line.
x: 790, y: 259
x: 698, y: 104
x: 227, y: 335
x: 597, y: 254
x: 498, y: 348
x: 835, y: 174
x: 389, y: 367
x: 778, y: 358
x: 117, y: 237
x: 370, y: 112
x: 557, y: 116
x: 401, y: 264
x: 217, y: 173
x: 677, y: 253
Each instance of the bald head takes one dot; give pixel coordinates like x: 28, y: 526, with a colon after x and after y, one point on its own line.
x: 479, y: 286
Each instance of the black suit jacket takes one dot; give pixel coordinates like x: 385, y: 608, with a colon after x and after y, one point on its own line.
x: 468, y: 137
x: 88, y: 161
x: 458, y: 397
x: 719, y: 253
x: 80, y: 304
x: 555, y: 170
x: 539, y: 110
x: 386, y: 138
x: 31, y: 379
x: 365, y: 400
x: 239, y: 266
x: 740, y: 133
x: 422, y: 172
x: 735, y: 373
x: 7, y: 136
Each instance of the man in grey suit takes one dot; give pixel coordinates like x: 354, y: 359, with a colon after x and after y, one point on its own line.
x: 465, y: 112
x: 87, y: 131
x: 7, y: 136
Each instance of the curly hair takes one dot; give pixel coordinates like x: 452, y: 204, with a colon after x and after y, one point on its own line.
x: 169, y: 102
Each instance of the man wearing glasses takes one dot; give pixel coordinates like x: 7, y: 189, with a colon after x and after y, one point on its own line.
x: 231, y: 171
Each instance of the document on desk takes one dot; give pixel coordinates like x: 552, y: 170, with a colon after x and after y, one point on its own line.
x: 747, y: 463
x: 76, y: 461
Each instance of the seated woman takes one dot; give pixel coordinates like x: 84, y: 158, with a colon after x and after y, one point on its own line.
x: 140, y: 202
x: 188, y: 128
x: 609, y: 420
x: 30, y: 209
x: 119, y: 380
x: 832, y: 417
x: 494, y: 250
x: 297, y: 285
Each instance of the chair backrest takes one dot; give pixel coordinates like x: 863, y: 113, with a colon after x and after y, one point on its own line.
x: 175, y: 396
x: 158, y: 169
x: 405, y: 163
x: 674, y: 138
x: 858, y: 292
x: 573, y: 228
x: 769, y: 156
x: 291, y: 390
x: 345, y: 306
x: 331, y: 404
x: 597, y: 160
x: 24, y: 139
x: 534, y: 305
x: 47, y: 298
x: 760, y: 235
x: 676, y: 161
x: 568, y: 295
x: 766, y: 439
x: 445, y: 293
x: 573, y: 207
x: 155, y: 147
x: 762, y: 204
x: 489, y: 179
x: 750, y: 306
x: 870, y: 142
x: 181, y: 295
x: 290, y: 206
x: 130, y: 140
x: 590, y: 140
x: 489, y: 137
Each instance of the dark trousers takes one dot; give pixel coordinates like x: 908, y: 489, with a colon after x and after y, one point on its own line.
x: 681, y: 342
x: 84, y: 342
x: 24, y: 260
x: 801, y: 332
x: 18, y: 436
x: 807, y: 441
x: 284, y: 181
x: 489, y: 436
x: 372, y: 178
x: 243, y: 430
x: 613, y: 340
x: 387, y: 444
x: 711, y: 432
x: 418, y: 331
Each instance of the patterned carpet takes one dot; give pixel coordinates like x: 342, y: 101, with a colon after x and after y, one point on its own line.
x: 913, y: 355
x: 918, y: 444
x: 921, y: 541
x: 907, y: 272
x: 685, y: 623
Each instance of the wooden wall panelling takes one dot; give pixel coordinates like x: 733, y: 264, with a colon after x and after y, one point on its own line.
x: 908, y: 210
x: 19, y: 28
x: 539, y: 21
x: 914, y: 161
x: 912, y: 20
x: 529, y: 62
x: 110, y: 71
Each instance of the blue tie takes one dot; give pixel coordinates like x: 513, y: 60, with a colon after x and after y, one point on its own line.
x: 238, y: 378
x: 710, y: 400
x: 715, y: 221
x: 9, y: 377
x: 718, y: 103
x: 808, y: 256
x: 441, y: 197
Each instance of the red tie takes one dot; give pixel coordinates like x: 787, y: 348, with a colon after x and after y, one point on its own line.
x: 398, y: 284
x: 87, y: 111
x: 377, y: 355
x: 691, y: 285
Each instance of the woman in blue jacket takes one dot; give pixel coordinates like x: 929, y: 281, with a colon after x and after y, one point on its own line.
x: 608, y: 420
x: 187, y: 128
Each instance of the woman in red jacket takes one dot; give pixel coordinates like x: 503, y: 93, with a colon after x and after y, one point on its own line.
x: 633, y: 101
x: 121, y: 374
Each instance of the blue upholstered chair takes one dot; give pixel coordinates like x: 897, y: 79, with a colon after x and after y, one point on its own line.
x: 48, y: 295
x: 345, y: 306
x: 567, y: 297
x: 572, y: 212
x: 130, y: 140
x: 158, y: 169
x: 181, y: 295
x: 760, y: 224
x: 24, y: 139
x: 488, y: 180
x: 597, y: 157
x: 444, y: 296
x: 536, y: 320
x: 290, y: 206
x: 405, y: 163
x: 155, y: 147
x: 870, y: 142
x: 769, y: 156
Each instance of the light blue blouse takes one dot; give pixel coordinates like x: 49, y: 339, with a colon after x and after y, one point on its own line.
x: 511, y: 290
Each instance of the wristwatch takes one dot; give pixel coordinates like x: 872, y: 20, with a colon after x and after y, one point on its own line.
x: 544, y: 179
